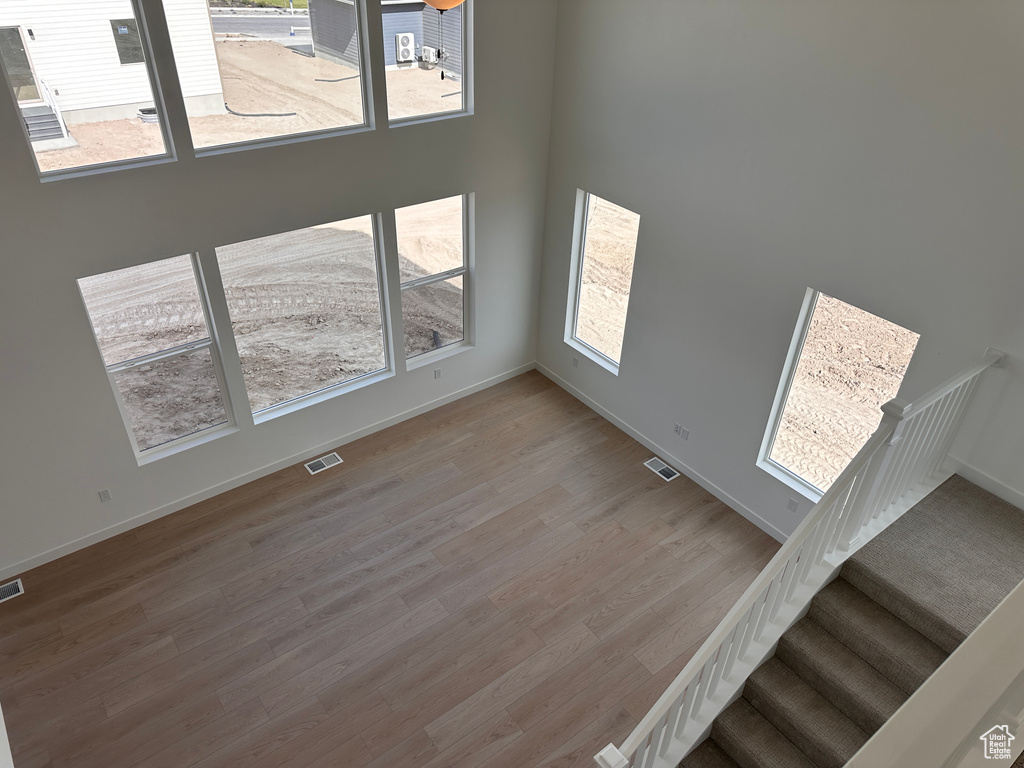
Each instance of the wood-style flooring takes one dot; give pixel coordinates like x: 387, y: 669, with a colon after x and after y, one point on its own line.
x: 499, y: 582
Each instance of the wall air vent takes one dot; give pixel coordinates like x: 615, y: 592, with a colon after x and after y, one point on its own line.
x: 11, y: 589
x: 660, y: 467
x: 324, y: 462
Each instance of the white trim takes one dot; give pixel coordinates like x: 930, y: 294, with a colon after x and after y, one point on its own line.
x: 985, y: 481
x: 296, y: 458
x: 6, y: 761
x: 796, y: 347
x: 666, y: 456
x: 321, y: 395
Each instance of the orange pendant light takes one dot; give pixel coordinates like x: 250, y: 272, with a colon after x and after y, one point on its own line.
x: 444, y: 5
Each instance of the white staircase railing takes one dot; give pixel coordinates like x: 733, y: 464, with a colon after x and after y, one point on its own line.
x: 899, y: 465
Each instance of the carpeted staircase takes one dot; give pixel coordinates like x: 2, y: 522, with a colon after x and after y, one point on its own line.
x: 900, y: 606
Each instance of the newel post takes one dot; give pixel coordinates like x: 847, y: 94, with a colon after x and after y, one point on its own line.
x: 871, y: 484
x: 610, y: 757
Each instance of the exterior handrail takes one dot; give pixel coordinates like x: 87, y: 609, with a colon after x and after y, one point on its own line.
x: 899, y: 464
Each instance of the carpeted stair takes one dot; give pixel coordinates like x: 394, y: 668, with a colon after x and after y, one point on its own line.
x: 900, y: 606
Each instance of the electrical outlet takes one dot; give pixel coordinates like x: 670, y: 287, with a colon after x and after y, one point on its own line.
x: 105, y: 495
x: 682, y: 432
x: 793, y: 505
x: 437, y: 373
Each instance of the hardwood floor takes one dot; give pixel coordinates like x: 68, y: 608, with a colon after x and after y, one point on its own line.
x: 499, y: 582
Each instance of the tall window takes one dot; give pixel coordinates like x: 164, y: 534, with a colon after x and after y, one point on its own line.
x: 82, y: 84
x: 306, y: 309
x: 426, y: 57
x: 844, y: 364
x: 601, y: 274
x: 153, y: 330
x: 433, y: 268
x: 249, y: 77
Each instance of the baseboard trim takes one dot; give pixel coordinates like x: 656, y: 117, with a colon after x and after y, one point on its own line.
x: 666, y: 455
x: 176, y: 506
x: 985, y: 481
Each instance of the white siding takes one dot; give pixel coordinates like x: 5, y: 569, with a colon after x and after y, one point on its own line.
x: 74, y: 51
x: 194, y: 54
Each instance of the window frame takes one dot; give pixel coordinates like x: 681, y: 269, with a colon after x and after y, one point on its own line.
x: 366, y: 95
x: 468, y: 78
x: 465, y: 272
x: 334, y: 390
x: 210, y: 343
x: 579, y: 244
x: 796, y: 348
x: 168, y: 155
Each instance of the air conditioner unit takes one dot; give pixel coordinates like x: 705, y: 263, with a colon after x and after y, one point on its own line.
x: 429, y: 55
x: 405, y: 47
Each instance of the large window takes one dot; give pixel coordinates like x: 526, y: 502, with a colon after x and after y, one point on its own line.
x: 601, y: 275
x: 844, y: 364
x: 433, y: 266
x: 426, y: 56
x: 249, y: 76
x: 81, y: 83
x: 153, y: 330
x: 306, y: 309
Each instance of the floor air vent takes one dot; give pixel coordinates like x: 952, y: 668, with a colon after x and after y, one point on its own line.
x: 11, y: 589
x: 324, y: 462
x: 663, y: 469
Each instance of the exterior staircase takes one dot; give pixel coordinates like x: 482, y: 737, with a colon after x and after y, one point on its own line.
x: 899, y: 607
x: 42, y: 123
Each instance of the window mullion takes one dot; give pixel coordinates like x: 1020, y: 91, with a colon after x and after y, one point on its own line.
x: 163, y: 354
x: 439, y: 277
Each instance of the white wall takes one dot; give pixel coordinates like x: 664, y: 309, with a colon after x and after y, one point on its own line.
x: 869, y: 149
x: 74, y: 50
x: 61, y: 437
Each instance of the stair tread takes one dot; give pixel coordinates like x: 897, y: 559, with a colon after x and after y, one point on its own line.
x: 752, y: 742
x: 840, y: 675
x: 803, y: 715
x: 899, y: 652
x: 708, y: 755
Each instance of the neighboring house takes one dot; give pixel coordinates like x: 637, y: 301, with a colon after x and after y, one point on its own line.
x: 86, y: 59
x: 333, y: 25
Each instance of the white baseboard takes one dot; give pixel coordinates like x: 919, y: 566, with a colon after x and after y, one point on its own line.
x: 147, y: 517
x: 985, y: 481
x: 667, y: 456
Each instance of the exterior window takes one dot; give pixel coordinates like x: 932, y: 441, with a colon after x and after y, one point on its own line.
x: 80, y: 105
x: 251, y: 77
x: 153, y: 331
x: 127, y: 41
x: 844, y: 364
x: 426, y: 57
x: 306, y: 309
x: 433, y: 266
x: 601, y: 275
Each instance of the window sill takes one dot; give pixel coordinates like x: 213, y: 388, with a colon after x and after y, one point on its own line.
x: 185, y: 443
x: 426, y: 358
x: 305, y: 401
x: 593, y: 355
x: 794, y: 481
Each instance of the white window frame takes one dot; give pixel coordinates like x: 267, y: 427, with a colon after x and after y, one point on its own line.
x: 365, y: 86
x: 579, y: 244
x: 466, y: 273
x: 796, y: 348
x: 467, y: 82
x: 168, y: 155
x: 334, y: 390
x: 196, y: 438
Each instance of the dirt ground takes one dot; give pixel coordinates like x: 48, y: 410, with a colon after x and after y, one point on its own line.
x: 607, y: 275
x: 305, y: 313
x: 853, y: 362
x: 261, y: 77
